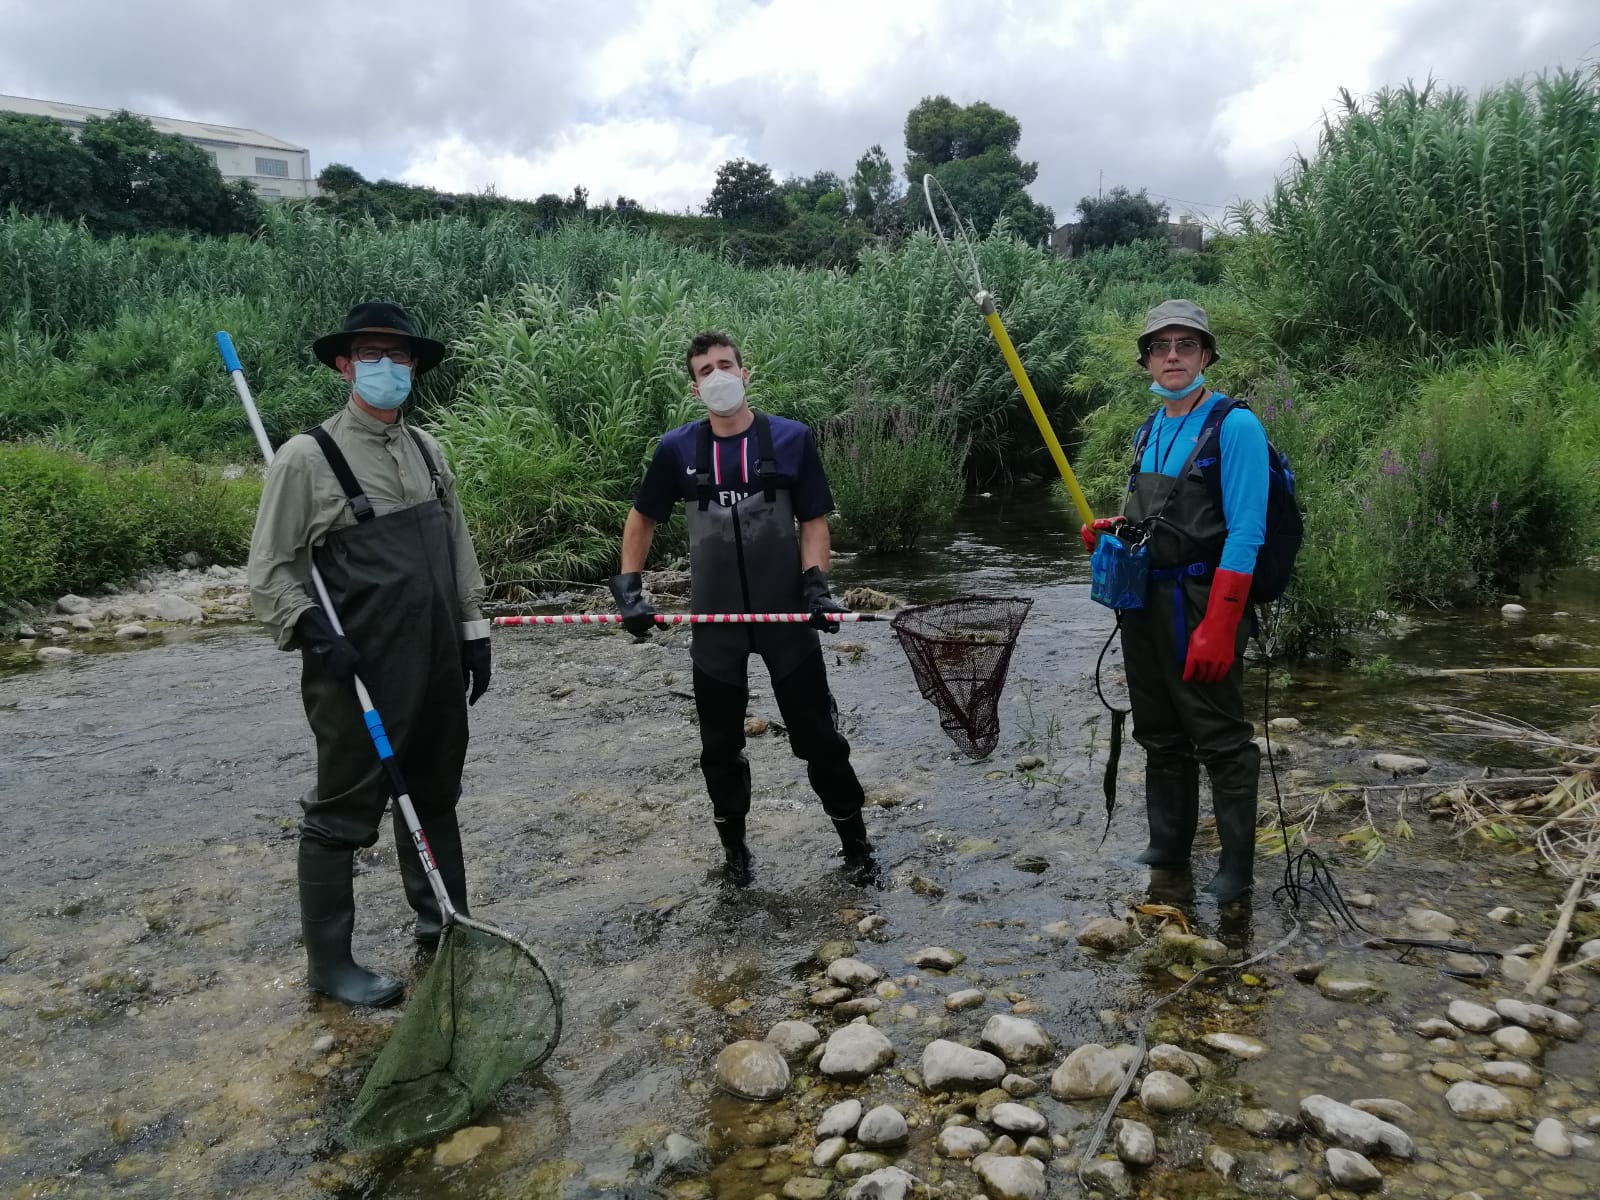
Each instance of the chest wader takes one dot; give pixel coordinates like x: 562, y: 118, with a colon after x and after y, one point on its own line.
x: 392, y: 581
x: 746, y: 558
x: 1182, y: 725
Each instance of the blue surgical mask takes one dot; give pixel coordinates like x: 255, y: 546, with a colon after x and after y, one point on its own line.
x: 383, y: 384
x: 1168, y: 394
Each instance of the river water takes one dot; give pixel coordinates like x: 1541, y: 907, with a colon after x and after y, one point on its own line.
x: 158, y: 1040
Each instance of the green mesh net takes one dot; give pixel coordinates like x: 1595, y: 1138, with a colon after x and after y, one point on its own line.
x: 484, y: 1012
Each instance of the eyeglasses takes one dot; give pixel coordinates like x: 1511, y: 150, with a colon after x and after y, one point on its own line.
x: 372, y: 354
x: 1183, y: 345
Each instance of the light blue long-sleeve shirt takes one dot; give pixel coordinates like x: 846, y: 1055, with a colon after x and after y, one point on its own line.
x: 1244, y: 473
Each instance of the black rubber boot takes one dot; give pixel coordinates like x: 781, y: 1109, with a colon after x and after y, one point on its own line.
x: 444, y: 836
x: 327, y: 918
x: 860, y: 867
x: 738, y: 867
x: 1236, y: 826
x: 1172, y: 806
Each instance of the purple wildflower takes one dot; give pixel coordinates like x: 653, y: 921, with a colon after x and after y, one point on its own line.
x: 1494, y: 507
x: 1288, y: 404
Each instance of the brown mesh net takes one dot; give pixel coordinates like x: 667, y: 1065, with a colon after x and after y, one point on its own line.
x: 960, y: 651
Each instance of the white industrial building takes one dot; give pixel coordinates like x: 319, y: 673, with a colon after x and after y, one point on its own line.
x: 275, y: 168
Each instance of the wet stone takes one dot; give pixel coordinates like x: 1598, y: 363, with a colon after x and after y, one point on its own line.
x: 1017, y: 1039
x: 853, y: 973
x: 1552, y: 1138
x: 1431, y: 921
x: 870, y: 925
x: 1339, y: 984
x: 130, y: 632
x: 1540, y: 1018
x: 1107, y: 934
x: 1010, y: 1177
x: 859, y: 1163
x: 937, y: 958
x: 829, y: 952
x: 465, y: 1145
x: 964, y: 999
x: 1352, y: 1171
x: 862, y: 1006
x: 840, y: 1120
x: 793, y: 1039
x: 1452, y: 1072
x: 1395, y: 1111
x: 1020, y: 1086
x: 1353, y: 1129
x: 886, y: 1183
x: 1301, y: 1187
x: 1236, y: 1044
x: 1019, y: 1119
x: 1167, y: 1057
x: 948, y: 1066
x: 1510, y: 1073
x: 962, y: 1143
x: 1400, y: 764
x: 1089, y: 1072
x: 1436, y: 1027
x: 806, y: 1187
x: 1514, y: 1039
x: 1164, y: 1092
x: 1474, y: 1018
x: 1267, y: 1123
x: 1136, y: 1144
x: 829, y: 996
x: 323, y: 1044
x: 854, y: 1052
x: 1220, y: 1162
x: 884, y: 1126
x: 1479, y: 1102
x: 753, y: 1070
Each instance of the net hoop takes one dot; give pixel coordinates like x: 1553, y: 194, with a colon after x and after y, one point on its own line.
x: 971, y: 280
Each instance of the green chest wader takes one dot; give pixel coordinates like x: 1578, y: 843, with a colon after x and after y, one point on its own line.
x: 745, y: 557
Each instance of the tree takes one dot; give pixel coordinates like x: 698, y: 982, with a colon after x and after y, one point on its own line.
x: 938, y: 130
x: 746, y: 191
x: 1118, y: 218
x: 43, y: 168
x: 972, y: 152
x: 804, y: 191
x: 873, y: 187
x: 150, y: 182
x: 338, y: 178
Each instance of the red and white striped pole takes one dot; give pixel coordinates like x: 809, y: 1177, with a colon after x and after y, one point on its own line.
x: 690, y: 619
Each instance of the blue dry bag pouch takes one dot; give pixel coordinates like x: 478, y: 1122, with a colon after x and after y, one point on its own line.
x: 1119, y: 572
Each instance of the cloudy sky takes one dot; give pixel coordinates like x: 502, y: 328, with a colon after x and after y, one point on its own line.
x: 1200, y: 104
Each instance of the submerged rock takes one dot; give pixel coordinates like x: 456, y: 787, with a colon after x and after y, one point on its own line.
x: 1479, y: 1102
x: 753, y: 1070
x: 964, y: 999
x: 1551, y: 1137
x: 1355, y: 1130
x: 1537, y: 1016
x: 1267, y: 1123
x: 1474, y: 1018
x: 1164, y: 1092
x: 1087, y: 1073
x: 1428, y: 920
x: 1401, y: 764
x: 1108, y: 1175
x: 1019, y: 1086
x: 853, y: 973
x: 465, y: 1145
x: 1511, y: 1073
x: 1236, y: 1044
x: 829, y: 1151
x: 937, y: 958
x: 859, y: 1163
x: 1107, y: 934
x: 1136, y: 1143
x: 1514, y: 1039
x: 1350, y: 1170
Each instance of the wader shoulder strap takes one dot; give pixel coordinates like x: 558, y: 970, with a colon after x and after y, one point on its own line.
x: 433, y: 470
x: 766, y: 460
x: 702, y: 465
x: 359, y: 504
x: 1140, y: 441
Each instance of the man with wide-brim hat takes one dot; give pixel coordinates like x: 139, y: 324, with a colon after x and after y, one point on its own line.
x: 370, y: 499
x: 1198, y: 489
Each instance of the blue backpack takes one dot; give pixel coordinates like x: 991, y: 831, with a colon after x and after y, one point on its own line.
x: 1285, y: 523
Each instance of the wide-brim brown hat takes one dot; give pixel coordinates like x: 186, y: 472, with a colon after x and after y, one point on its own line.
x: 378, y: 316
x: 1184, y: 313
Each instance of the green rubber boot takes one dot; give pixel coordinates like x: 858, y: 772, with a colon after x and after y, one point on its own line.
x: 860, y: 867
x: 1172, y: 806
x: 444, y: 837
x: 1236, y: 825
x: 738, y: 866
x: 327, y: 919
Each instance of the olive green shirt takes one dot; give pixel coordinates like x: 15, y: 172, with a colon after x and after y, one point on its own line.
x: 302, y: 502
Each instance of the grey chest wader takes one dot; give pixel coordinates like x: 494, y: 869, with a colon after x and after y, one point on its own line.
x: 745, y: 558
x: 392, y: 580
x: 1182, y: 725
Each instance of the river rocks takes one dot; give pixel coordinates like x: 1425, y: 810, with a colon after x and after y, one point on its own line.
x: 131, y: 632
x: 1109, y: 1176
x: 1019, y: 1087
x: 1344, y: 983
x: 681, y: 1156
x: 854, y: 1052
x: 1164, y: 1092
x: 1400, y: 764
x: 1551, y: 1137
x: 465, y: 1145
x: 1537, y: 1016
x: 793, y: 1039
x: 1479, y: 1102
x: 803, y: 1187
x: 829, y: 1151
x: 82, y: 624
x: 50, y: 654
x: 1221, y: 1162
x: 753, y: 1070
x: 830, y: 952
x: 1010, y: 1178
x: 1512, y: 611
x: 937, y: 958
x: 178, y: 610
x: 1510, y: 1074
x: 883, y: 1127
x: 886, y: 1183
x: 1427, y: 920
x: 859, y: 1163
x: 1136, y: 1144
x: 840, y: 1120
x: 1019, y: 1119
x: 1394, y: 1111
x: 1355, y: 1130
x: 74, y: 605
x: 1435, y: 1027
x: 1505, y: 916
x: 961, y: 1142
x: 853, y: 973
x: 861, y: 1006
x: 1474, y: 1018
x: 949, y: 1066
x: 829, y: 996
x: 1107, y: 934
x: 1589, y: 954
x: 1017, y: 1039
x: 1087, y: 1073
x: 1236, y: 1044
x: 1284, y: 725
x: 964, y: 999
x: 870, y: 924
x: 1514, y: 1039
x: 1167, y: 1057
x: 1352, y: 1171
x: 1267, y: 1123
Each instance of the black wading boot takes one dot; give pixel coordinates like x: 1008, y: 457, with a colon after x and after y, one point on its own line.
x: 1236, y: 825
x: 1172, y: 805
x: 444, y: 837
x: 738, y: 867
x: 327, y: 918
x: 860, y: 867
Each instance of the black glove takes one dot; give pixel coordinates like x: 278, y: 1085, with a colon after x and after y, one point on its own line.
x: 339, y: 658
x: 819, y: 600
x: 475, y: 667
x: 638, y: 614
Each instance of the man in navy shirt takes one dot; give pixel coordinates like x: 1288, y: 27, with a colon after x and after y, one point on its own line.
x: 758, y: 505
x: 1184, y: 649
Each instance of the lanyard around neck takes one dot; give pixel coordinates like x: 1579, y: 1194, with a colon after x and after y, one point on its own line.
x: 1161, y: 463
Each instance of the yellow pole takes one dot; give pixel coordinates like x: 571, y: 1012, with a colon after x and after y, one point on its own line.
x: 1025, y: 385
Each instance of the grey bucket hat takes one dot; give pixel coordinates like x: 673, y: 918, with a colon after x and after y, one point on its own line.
x: 1177, y: 312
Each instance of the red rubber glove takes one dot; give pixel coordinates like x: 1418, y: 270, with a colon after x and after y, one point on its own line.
x: 1212, y: 645
x: 1091, y: 533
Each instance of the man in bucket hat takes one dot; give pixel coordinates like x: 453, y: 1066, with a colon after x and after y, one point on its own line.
x: 1184, y: 649
x: 371, y: 501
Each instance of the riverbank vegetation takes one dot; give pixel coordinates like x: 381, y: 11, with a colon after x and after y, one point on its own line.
x: 1415, y: 311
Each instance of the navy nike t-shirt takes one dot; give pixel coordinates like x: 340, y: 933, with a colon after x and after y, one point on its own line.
x: 670, y: 477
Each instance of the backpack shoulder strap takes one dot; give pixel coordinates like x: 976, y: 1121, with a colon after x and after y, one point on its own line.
x: 359, y: 504
x: 702, y: 464
x: 766, y: 460
x: 1208, y: 444
x: 433, y: 468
